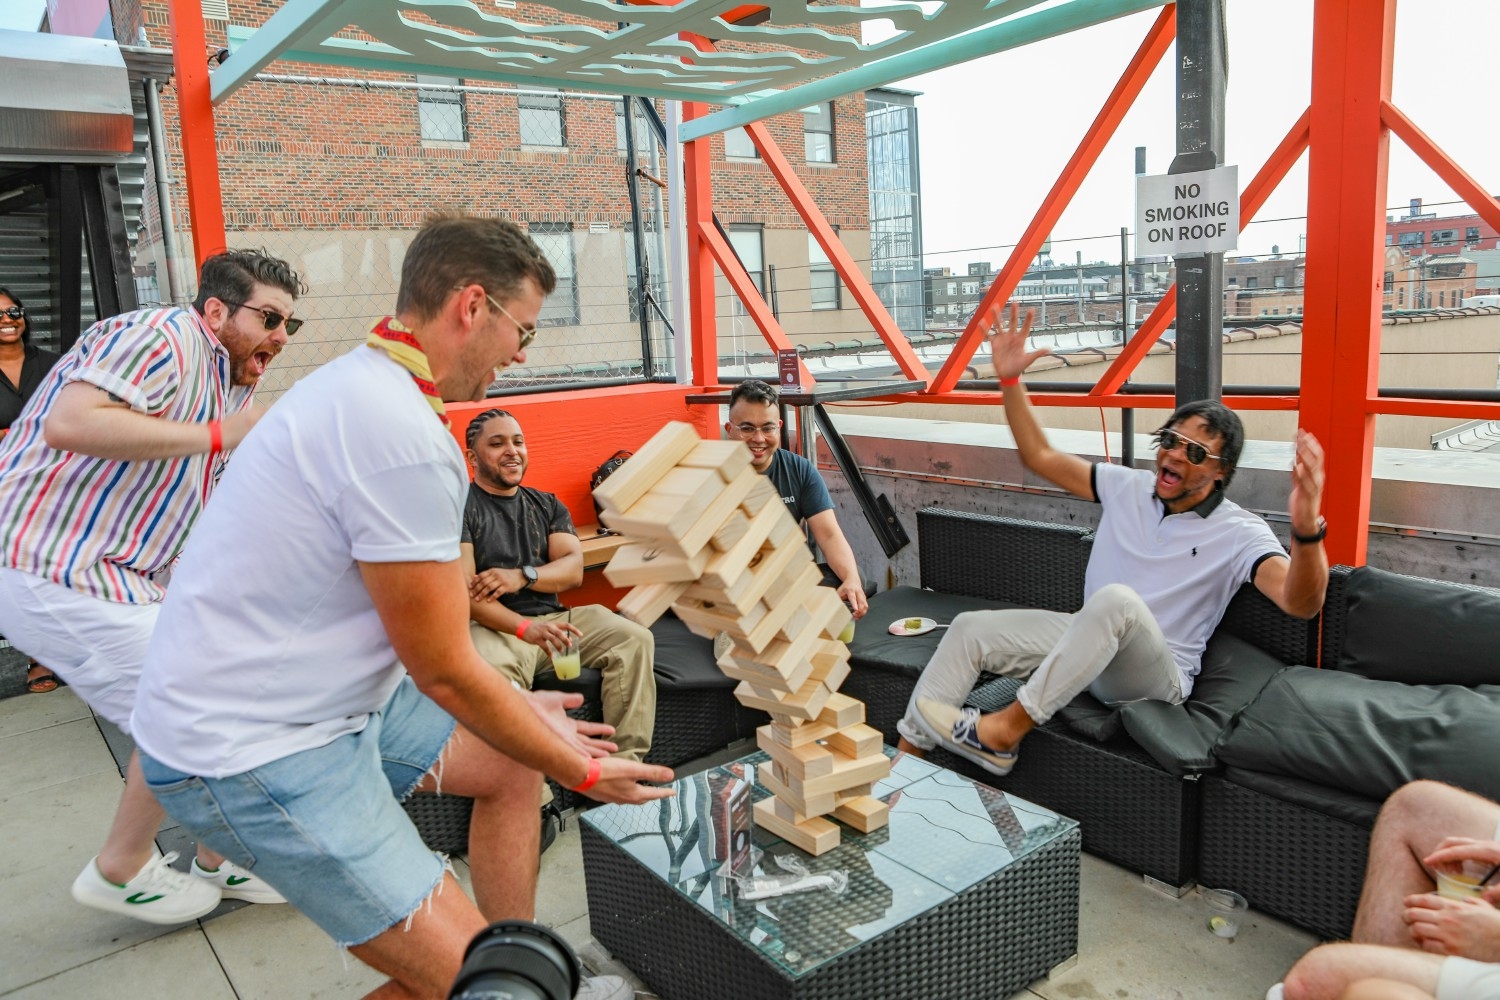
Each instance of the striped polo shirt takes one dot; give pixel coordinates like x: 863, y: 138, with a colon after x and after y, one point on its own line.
x: 102, y: 526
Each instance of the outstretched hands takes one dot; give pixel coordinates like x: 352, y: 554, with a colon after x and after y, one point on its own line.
x: 1306, y: 497
x: 1007, y: 340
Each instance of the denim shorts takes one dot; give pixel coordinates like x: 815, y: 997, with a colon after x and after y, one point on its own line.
x: 325, y: 826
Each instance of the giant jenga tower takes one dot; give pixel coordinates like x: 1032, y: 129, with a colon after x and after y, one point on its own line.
x: 709, y: 538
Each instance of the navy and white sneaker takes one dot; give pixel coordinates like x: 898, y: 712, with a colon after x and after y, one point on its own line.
x: 957, y: 729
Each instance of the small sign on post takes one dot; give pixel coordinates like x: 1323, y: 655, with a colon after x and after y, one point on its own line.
x: 1191, y: 213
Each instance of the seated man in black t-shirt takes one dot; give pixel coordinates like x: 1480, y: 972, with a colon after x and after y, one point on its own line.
x: 520, y: 551
x: 755, y: 418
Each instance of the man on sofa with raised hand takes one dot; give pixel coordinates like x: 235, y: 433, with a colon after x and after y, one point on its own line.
x: 1169, y: 554
x: 520, y: 551
x: 1409, y: 942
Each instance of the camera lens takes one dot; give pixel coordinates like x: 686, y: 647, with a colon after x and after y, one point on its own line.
x: 517, y: 960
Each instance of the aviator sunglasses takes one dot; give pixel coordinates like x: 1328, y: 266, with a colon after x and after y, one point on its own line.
x: 270, y: 318
x: 14, y: 312
x: 1168, y: 440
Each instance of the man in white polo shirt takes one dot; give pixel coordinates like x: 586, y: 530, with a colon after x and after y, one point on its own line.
x: 1169, y: 554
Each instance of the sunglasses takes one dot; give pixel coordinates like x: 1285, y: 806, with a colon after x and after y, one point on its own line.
x: 528, y: 333
x: 1168, y: 440
x: 14, y: 312
x: 270, y: 318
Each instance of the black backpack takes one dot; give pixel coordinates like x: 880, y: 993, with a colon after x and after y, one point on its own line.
x: 604, y: 471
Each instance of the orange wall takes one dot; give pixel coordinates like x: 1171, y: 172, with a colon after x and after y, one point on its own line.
x: 571, y: 433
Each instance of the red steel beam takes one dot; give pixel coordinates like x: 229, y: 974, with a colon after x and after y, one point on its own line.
x: 1137, y: 401
x: 744, y: 287
x: 1155, y: 45
x: 854, y: 279
x: 1465, y: 186
x: 697, y: 190
x: 1353, y: 43
x: 195, y: 118
x: 1450, y: 409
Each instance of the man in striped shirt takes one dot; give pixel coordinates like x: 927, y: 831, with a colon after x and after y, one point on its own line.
x: 101, y: 479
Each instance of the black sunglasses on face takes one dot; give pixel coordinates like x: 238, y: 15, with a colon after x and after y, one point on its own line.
x: 14, y: 312
x: 270, y: 317
x: 1168, y: 440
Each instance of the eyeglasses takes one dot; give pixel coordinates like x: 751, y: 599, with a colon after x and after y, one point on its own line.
x: 270, y: 318
x: 1168, y: 440
x: 766, y: 429
x: 14, y: 312
x: 528, y: 333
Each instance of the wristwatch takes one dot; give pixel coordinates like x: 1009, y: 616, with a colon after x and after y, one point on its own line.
x: 529, y: 572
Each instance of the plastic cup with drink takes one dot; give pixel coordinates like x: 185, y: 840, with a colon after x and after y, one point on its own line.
x: 567, y: 664
x: 1462, y: 880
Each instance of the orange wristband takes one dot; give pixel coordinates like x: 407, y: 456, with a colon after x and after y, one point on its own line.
x: 521, y: 628
x: 595, y: 769
x: 215, y: 437
x: 1010, y: 381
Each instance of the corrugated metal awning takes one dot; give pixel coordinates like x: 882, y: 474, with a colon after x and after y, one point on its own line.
x: 63, y: 98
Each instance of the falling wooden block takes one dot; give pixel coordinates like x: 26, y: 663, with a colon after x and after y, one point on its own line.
x: 708, y: 619
x: 751, y: 697
x: 790, y: 661
x: 730, y: 532
x: 788, y: 603
x: 727, y: 458
x: 810, y: 760
x: 716, y: 512
x: 650, y: 462
x: 856, y: 741
x: 645, y: 604
x: 762, y: 494
x: 842, y: 711
x: 864, y: 813
x: 646, y: 562
x: 815, y: 836
x: 730, y: 564
x: 672, y: 505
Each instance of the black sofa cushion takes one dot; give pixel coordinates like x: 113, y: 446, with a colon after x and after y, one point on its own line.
x: 685, y: 661
x: 1365, y: 736
x: 1401, y: 628
x: 873, y: 645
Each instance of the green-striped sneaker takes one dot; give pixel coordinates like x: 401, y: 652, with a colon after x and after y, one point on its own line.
x: 235, y: 882
x: 159, y: 894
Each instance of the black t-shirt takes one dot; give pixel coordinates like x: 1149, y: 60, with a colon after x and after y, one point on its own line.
x: 510, y: 532
x: 13, y: 397
x: 800, y: 485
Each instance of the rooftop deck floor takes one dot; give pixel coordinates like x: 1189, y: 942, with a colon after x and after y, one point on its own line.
x: 59, y: 784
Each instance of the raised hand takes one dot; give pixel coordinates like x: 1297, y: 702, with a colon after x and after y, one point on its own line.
x: 552, y: 708
x: 1306, y: 498
x: 1007, y: 340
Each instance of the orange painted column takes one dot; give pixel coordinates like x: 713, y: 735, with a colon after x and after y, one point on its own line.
x: 1353, y: 41
x: 195, y: 117
x: 697, y: 190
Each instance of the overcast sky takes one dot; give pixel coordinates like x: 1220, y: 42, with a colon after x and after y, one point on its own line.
x: 995, y: 132
x: 23, y: 15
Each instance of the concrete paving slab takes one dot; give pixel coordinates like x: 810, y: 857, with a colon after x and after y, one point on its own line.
x: 39, y: 758
x: 70, y: 818
x: 274, y: 952
x: 31, y: 712
x: 178, y: 966
x: 560, y: 895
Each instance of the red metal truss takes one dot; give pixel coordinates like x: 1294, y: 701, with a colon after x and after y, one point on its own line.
x: 1255, y: 194
x: 195, y: 118
x: 854, y: 279
x: 1465, y: 186
x: 755, y: 303
x: 1142, y: 64
x: 1135, y: 401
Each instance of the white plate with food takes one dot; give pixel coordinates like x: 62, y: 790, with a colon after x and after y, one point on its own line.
x: 913, y: 626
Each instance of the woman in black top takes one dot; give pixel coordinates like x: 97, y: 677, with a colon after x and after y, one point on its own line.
x: 23, y: 365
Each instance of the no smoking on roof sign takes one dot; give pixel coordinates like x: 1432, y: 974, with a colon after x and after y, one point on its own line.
x: 1187, y: 213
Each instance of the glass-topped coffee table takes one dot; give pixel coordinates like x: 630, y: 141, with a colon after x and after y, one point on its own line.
x: 968, y: 892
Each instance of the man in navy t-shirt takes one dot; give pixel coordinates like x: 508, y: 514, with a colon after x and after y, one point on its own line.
x: 755, y: 418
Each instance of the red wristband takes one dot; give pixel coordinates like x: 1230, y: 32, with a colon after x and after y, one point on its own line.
x: 1015, y: 380
x: 215, y: 437
x: 521, y: 628
x: 595, y: 768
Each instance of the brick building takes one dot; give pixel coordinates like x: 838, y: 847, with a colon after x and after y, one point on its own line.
x: 335, y: 173
x: 1420, y: 232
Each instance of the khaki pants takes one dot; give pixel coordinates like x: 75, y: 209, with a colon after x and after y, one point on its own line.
x: 619, y: 649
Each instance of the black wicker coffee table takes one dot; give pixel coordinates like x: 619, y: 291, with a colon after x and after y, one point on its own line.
x: 967, y: 892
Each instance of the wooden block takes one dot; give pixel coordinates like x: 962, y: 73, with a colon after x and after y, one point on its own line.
x: 670, y: 507
x: 847, y: 771
x: 646, y: 562
x: 785, y: 527
x: 756, y: 676
x: 799, y: 622
x: 650, y: 462
x: 816, y: 805
x: 751, y: 697
x: 810, y: 760
x: 813, y: 695
x: 834, y: 624
x: 856, y: 741
x: 807, y: 732
x: 785, y: 811
x: 716, y: 512
x: 760, y: 494
x: 730, y: 532
x: 854, y: 792
x: 842, y: 711
x: 788, y: 603
x: 645, y: 604
x: 726, y: 458
x: 715, y: 618
x: 864, y: 813
x: 724, y: 569
x: 815, y: 836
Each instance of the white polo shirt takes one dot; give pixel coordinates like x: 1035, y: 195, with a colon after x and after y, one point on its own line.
x: 1186, y: 567
x: 268, y: 643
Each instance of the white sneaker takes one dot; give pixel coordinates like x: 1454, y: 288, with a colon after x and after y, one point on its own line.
x: 605, y: 988
x: 159, y: 894
x: 235, y: 882
x: 1275, y: 992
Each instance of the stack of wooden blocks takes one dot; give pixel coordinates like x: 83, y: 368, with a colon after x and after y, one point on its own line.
x: 710, y: 539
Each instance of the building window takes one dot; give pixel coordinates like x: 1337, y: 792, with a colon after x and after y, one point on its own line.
x: 1252, y: 282
x: 1279, y: 281
x: 1410, y: 239
x: 541, y: 120
x: 1101, y: 317
x: 822, y: 277
x: 817, y: 126
x: 1442, y: 237
x: 441, y: 112
x: 1401, y: 296
x: 746, y: 241
x: 1390, y: 277
x: 737, y: 144
x: 1471, y: 234
x: 1458, y: 298
x: 1441, y: 296
x: 556, y: 241
x: 645, y: 138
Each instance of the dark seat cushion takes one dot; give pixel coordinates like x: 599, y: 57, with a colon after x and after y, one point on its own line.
x: 1365, y: 736
x: 874, y: 647
x: 1393, y: 620
x: 684, y: 661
